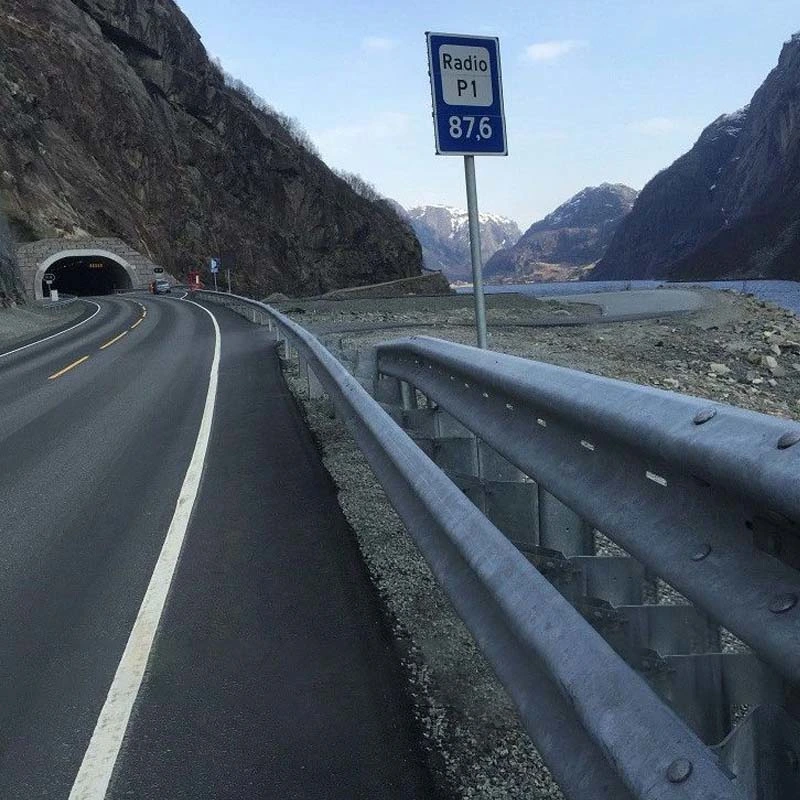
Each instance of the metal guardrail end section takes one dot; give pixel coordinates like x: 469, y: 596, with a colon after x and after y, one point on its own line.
x: 600, y: 727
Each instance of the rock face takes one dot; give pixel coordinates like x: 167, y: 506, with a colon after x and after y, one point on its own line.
x: 113, y: 122
x: 730, y: 207
x: 443, y: 233
x: 573, y: 237
x: 9, y: 277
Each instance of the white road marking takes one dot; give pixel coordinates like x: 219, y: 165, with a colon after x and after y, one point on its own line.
x: 60, y: 333
x: 101, y: 755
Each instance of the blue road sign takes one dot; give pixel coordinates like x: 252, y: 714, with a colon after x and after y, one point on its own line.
x: 467, y: 91
x: 214, y: 266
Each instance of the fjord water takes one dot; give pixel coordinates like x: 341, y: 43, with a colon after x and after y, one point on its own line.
x: 785, y: 294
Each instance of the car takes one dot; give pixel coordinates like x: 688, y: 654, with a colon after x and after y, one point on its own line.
x: 162, y: 287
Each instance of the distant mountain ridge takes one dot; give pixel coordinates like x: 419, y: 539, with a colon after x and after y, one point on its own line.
x: 730, y: 207
x: 443, y: 232
x: 564, y: 244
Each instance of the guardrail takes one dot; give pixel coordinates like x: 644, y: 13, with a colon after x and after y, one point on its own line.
x: 703, y: 494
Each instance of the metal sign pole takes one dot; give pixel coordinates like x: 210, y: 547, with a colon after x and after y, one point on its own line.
x: 215, y: 282
x: 229, y: 281
x: 475, y: 250
x: 468, y: 120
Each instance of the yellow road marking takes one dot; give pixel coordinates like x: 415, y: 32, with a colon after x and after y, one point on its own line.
x: 115, y: 339
x: 67, y: 369
x: 138, y: 322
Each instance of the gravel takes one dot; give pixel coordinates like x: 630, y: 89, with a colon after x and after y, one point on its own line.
x: 24, y: 323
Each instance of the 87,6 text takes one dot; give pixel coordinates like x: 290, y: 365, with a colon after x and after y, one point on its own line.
x: 465, y: 127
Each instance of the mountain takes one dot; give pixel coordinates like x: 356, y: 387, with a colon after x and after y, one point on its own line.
x: 114, y: 122
x: 563, y: 244
x: 730, y: 207
x: 443, y: 233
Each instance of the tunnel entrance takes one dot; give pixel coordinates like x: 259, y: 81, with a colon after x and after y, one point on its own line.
x: 87, y: 275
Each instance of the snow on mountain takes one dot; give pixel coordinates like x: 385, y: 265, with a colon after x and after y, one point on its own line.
x: 443, y: 232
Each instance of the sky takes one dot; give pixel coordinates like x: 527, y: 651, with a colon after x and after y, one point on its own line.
x: 595, y: 90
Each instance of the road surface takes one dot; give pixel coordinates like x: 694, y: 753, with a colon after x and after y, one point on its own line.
x: 272, y: 672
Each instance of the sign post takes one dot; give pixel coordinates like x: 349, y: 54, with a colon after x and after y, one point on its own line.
x: 214, y: 271
x: 468, y: 120
x: 49, y: 278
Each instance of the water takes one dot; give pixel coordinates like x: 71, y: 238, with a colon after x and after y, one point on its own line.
x: 785, y: 294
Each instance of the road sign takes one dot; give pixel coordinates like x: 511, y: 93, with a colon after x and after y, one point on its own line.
x: 467, y: 90
x: 214, y: 266
x: 158, y: 270
x: 49, y: 277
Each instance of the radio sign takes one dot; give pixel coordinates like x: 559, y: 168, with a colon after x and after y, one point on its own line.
x: 466, y: 86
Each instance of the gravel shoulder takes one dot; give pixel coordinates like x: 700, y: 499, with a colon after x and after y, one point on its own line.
x: 734, y: 349
x: 23, y: 324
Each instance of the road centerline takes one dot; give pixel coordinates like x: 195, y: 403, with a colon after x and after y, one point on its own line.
x: 68, y: 368
x: 115, y: 339
x: 94, y: 775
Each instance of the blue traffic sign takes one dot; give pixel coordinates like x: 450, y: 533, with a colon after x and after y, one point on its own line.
x: 467, y: 90
x: 214, y: 266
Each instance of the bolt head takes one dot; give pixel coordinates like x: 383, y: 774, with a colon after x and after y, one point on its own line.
x: 702, y: 552
x: 679, y: 770
x: 788, y: 439
x: 704, y: 416
x: 783, y: 602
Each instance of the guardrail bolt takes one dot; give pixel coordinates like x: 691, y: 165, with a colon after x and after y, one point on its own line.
x: 783, y: 602
x: 704, y: 416
x: 702, y: 552
x: 679, y: 770
x: 788, y: 439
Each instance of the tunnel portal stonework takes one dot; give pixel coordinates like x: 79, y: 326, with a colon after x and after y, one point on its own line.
x: 35, y: 258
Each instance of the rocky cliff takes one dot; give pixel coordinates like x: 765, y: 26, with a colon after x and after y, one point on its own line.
x: 9, y: 278
x: 563, y: 244
x: 443, y: 233
x: 730, y: 207
x: 113, y: 122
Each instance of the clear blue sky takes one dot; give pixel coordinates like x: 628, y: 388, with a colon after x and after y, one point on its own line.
x: 595, y: 90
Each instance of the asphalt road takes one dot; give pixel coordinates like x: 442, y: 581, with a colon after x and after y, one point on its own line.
x: 272, y: 674
x: 640, y: 303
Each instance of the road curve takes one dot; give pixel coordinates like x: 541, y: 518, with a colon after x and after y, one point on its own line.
x: 272, y: 673
x: 91, y: 463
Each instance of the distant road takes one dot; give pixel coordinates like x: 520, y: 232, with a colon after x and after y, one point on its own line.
x: 639, y: 303
x: 272, y: 674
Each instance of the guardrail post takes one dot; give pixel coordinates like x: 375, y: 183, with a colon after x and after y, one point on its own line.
x: 408, y: 395
x: 560, y: 528
x: 283, y: 343
x: 315, y: 390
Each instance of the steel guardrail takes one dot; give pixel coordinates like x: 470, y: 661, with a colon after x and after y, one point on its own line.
x: 684, y: 485
x: 602, y: 730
